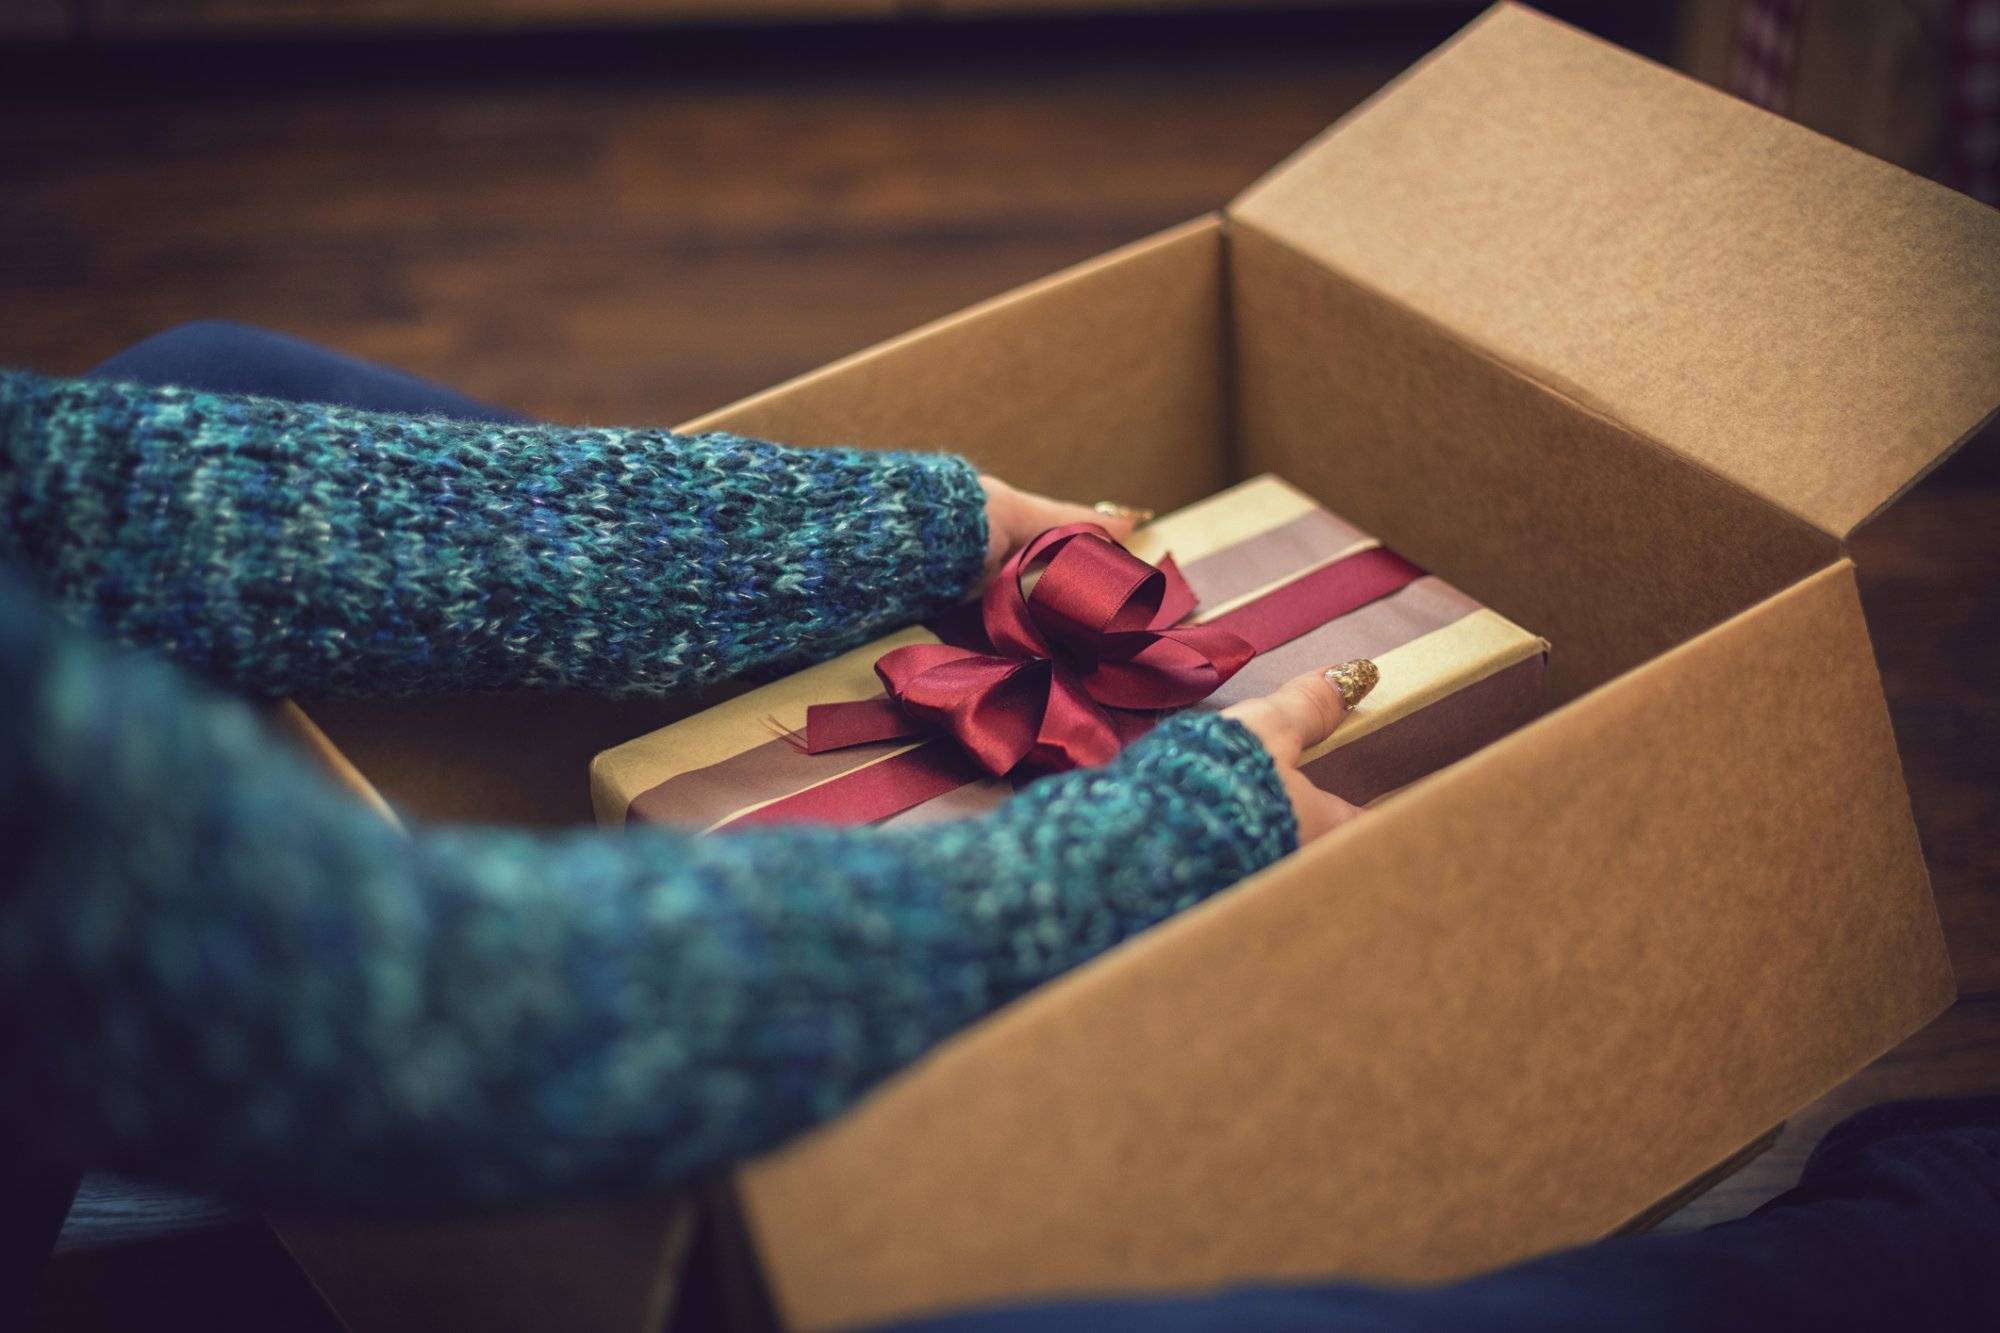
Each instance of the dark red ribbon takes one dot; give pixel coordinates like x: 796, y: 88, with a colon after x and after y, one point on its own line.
x: 1081, y: 645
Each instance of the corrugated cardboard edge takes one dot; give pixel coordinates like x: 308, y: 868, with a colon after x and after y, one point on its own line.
x: 1648, y: 1218
x: 293, y: 723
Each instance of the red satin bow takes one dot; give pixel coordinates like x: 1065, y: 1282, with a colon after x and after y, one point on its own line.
x: 1070, y: 668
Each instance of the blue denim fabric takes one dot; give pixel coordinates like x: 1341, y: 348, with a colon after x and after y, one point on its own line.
x: 220, y: 357
x: 1895, y: 1224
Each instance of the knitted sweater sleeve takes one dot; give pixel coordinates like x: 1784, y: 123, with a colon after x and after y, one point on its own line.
x: 284, y: 548
x: 218, y: 969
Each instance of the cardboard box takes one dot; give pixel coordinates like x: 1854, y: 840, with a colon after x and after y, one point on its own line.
x: 1455, y: 676
x: 1627, y: 361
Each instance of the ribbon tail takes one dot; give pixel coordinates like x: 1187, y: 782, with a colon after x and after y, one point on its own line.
x: 873, y: 792
x: 858, y: 722
x: 1075, y: 731
x: 1178, y: 601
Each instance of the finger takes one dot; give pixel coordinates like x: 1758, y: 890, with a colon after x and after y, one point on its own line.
x: 1121, y: 521
x: 1319, y: 812
x: 1305, y: 710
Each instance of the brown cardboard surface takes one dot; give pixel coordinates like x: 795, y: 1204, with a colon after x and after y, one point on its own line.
x: 1805, y: 320
x: 489, y: 758
x: 1609, y: 545
x: 1396, y: 1054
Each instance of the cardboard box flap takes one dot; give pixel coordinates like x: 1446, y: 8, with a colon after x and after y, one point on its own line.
x: 1812, y: 323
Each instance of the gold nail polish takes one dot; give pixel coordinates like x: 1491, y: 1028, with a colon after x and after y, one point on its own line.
x: 1353, y: 679
x: 1111, y: 509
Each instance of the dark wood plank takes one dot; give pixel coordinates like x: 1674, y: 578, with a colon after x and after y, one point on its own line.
x: 632, y: 234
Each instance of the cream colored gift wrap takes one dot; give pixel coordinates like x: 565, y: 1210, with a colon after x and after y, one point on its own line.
x: 1455, y: 676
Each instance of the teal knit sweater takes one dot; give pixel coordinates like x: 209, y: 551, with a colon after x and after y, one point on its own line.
x: 217, y: 968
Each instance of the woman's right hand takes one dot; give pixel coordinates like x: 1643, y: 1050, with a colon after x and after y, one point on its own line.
x: 1297, y: 716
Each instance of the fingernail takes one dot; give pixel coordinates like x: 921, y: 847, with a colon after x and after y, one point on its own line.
x: 1111, y: 509
x: 1353, y: 679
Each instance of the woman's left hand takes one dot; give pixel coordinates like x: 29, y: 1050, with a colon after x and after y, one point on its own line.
x: 1016, y: 517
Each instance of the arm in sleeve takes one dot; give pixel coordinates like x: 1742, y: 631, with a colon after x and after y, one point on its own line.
x: 281, y: 548
x: 223, y: 971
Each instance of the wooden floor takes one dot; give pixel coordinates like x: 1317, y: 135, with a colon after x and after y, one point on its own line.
x: 628, y: 229
x: 620, y: 231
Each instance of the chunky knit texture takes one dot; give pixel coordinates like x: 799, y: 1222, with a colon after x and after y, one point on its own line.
x: 281, y: 548
x: 216, y: 968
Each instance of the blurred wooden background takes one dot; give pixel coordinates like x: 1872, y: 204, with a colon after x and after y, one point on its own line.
x: 172, y: 20
x: 597, y: 227
x: 635, y: 227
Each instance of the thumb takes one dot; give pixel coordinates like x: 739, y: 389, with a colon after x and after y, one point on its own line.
x: 1305, y: 710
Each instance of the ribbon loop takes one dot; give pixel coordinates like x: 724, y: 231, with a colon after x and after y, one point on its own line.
x: 1082, y: 637
x: 1091, y: 590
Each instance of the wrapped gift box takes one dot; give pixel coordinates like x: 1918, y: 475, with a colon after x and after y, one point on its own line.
x: 1455, y: 675
x: 1626, y: 360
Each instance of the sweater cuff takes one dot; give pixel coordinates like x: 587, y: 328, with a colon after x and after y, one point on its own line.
x: 1228, y: 780
x: 946, y: 506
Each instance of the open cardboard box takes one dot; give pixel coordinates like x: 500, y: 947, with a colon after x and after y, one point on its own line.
x: 1623, y: 358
